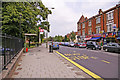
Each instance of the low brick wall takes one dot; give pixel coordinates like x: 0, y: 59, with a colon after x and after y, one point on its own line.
x: 11, y: 66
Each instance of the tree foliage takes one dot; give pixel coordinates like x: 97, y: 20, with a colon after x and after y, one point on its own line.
x: 66, y: 39
x: 72, y: 36
x: 22, y: 17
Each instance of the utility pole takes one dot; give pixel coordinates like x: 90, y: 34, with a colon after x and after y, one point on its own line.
x: 47, y: 33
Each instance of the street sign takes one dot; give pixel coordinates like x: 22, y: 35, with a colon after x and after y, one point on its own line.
x: 114, y: 26
x: 41, y: 30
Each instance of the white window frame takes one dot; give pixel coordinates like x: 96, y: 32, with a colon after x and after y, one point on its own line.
x: 90, y: 31
x: 83, y: 25
x: 110, y: 26
x: 83, y: 32
x: 89, y: 23
x: 98, y: 20
x: 110, y: 15
x: 98, y: 29
x: 80, y: 26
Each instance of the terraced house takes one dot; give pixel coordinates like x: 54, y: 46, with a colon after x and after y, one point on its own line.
x: 103, y: 27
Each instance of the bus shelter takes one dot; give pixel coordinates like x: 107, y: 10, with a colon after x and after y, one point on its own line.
x: 26, y: 34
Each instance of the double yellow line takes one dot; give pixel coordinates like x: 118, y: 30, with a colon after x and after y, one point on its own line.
x: 82, y: 68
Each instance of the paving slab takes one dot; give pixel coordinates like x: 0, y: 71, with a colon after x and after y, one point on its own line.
x: 39, y: 63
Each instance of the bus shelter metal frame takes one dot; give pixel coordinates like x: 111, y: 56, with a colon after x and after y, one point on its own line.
x: 26, y: 34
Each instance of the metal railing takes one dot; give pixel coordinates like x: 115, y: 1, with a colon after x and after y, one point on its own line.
x: 9, y: 47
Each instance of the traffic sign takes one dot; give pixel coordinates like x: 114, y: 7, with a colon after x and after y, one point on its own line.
x: 114, y: 26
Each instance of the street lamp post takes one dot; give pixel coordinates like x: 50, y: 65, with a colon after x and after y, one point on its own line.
x: 47, y: 32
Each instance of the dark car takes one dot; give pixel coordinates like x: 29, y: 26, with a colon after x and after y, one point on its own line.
x: 93, y: 45
x: 114, y: 47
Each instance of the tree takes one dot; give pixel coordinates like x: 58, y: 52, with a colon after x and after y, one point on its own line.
x: 14, y: 24
x: 66, y: 39
x: 72, y: 36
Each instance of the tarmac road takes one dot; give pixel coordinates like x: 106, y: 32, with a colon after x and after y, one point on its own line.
x: 104, y: 64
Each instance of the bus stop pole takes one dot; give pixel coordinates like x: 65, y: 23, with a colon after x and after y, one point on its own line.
x: 25, y: 43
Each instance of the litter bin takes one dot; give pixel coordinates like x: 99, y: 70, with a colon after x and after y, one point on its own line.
x: 50, y: 49
x: 26, y: 49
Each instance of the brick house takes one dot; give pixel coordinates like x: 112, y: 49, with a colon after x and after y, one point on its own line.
x: 106, y: 24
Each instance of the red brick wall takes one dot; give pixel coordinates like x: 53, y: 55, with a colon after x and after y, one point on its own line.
x: 86, y: 27
x: 81, y: 29
x: 78, y: 27
x: 93, y: 23
x: 116, y: 17
x: 101, y: 22
x: 105, y: 21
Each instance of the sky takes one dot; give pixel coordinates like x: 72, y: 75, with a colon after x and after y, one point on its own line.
x: 66, y: 14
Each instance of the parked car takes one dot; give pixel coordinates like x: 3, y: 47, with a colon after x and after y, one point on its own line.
x: 114, y: 47
x: 82, y: 45
x: 93, y: 45
x: 76, y: 44
x: 66, y: 43
x: 55, y: 45
x: 71, y: 44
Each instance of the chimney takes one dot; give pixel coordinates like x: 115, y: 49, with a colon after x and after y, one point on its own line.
x: 100, y: 11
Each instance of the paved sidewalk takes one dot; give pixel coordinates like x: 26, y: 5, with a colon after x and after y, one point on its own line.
x: 39, y: 63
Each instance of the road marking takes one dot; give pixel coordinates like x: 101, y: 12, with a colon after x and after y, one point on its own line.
x: 93, y: 57
x: 105, y: 61
x: 82, y: 68
x: 74, y: 51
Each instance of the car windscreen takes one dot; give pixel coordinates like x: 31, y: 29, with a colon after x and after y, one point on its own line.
x: 119, y: 44
x: 94, y: 43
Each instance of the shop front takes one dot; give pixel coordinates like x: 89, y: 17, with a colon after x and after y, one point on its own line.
x: 110, y: 37
x: 94, y: 37
x: 118, y: 37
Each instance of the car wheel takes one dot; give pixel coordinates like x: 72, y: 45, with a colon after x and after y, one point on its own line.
x: 106, y: 50
x: 93, y: 48
x: 86, y: 47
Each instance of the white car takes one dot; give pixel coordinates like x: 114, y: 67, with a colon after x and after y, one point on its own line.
x: 71, y: 44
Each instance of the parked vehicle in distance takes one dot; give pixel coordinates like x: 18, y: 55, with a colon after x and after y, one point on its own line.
x: 55, y: 45
x: 66, y: 43
x: 76, y: 44
x: 93, y: 45
x: 114, y: 47
x: 71, y: 44
x: 82, y: 45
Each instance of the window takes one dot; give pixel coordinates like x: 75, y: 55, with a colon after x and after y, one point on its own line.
x: 89, y: 32
x: 97, y: 20
x: 110, y: 16
x: 83, y: 32
x: 113, y: 45
x: 98, y: 29
x: 79, y: 32
x: 89, y: 24
x: 80, y: 26
x: 83, y: 26
x: 109, y: 28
